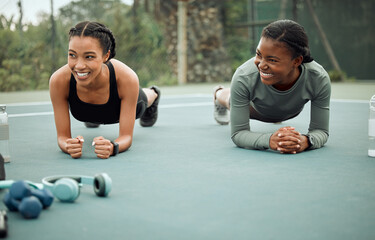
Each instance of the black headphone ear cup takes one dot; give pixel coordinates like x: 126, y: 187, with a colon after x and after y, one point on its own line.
x: 102, y: 184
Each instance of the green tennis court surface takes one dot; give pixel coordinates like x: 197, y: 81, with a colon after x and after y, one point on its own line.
x: 185, y: 179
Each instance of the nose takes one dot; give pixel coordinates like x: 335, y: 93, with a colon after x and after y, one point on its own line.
x: 80, y: 64
x: 262, y: 64
x: 259, y: 62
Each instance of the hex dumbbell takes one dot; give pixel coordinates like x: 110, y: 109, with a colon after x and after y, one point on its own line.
x: 27, y: 200
x: 22, y: 189
x: 29, y: 207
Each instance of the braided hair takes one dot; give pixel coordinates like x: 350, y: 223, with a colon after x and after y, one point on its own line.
x: 292, y: 34
x: 98, y: 31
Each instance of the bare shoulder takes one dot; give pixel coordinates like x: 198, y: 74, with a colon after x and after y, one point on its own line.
x: 124, y: 74
x: 61, y: 75
x: 59, y: 81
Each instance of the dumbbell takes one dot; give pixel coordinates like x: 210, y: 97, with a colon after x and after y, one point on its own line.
x: 21, y: 189
x: 29, y: 207
x: 28, y: 201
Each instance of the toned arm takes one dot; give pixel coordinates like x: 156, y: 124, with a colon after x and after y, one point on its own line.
x: 128, y: 89
x: 59, y: 91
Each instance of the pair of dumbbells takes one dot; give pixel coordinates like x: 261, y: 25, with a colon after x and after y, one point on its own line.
x: 27, y: 200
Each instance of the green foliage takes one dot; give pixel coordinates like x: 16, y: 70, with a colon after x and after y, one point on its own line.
x: 165, y: 79
x: 237, y: 39
x: 87, y: 10
x: 337, y: 76
x: 12, y: 78
x: 24, y: 58
x: 27, y: 60
x: 6, y: 23
x: 9, y: 44
x: 238, y: 49
x: 139, y: 41
x: 140, y: 45
x: 235, y: 11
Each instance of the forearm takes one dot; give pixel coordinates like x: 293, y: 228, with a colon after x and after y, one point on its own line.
x: 317, y: 138
x: 319, y: 127
x: 319, y: 123
x: 124, y: 142
x: 251, y: 140
x: 61, y: 141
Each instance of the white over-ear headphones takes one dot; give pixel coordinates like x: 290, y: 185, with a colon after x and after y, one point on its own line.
x: 66, y: 188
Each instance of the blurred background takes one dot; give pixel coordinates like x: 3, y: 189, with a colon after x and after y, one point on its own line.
x: 220, y: 36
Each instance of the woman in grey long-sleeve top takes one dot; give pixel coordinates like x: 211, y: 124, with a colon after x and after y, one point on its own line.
x: 274, y: 86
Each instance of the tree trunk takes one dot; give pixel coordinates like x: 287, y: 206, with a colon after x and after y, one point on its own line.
x: 207, y: 60
x: 324, y: 39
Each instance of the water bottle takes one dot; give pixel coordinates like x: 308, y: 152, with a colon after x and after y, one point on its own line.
x: 4, y: 134
x: 371, y: 128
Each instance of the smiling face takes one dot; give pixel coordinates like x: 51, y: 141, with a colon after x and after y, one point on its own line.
x: 276, y: 65
x: 85, y: 59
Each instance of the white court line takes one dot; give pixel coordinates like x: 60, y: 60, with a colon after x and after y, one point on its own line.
x: 195, y: 95
x: 161, y: 106
x: 166, y: 106
x: 30, y: 114
x: 198, y: 95
x: 28, y: 104
x: 350, y: 101
x: 186, y: 105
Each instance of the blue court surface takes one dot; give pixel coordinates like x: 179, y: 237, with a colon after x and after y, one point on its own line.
x: 185, y: 179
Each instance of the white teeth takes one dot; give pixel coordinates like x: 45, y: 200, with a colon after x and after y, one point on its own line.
x: 82, y: 74
x: 266, y: 74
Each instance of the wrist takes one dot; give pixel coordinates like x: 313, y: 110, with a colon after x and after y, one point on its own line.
x: 115, y: 149
x: 309, y: 141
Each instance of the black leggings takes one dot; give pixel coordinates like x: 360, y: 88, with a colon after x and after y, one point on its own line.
x: 141, y: 103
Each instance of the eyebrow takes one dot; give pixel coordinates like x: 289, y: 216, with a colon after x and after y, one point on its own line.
x: 257, y: 50
x: 273, y: 57
x: 70, y: 50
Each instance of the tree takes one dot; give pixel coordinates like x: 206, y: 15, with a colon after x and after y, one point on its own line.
x: 207, y: 58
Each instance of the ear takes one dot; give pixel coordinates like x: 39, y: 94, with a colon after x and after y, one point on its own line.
x: 298, y: 61
x: 106, y: 56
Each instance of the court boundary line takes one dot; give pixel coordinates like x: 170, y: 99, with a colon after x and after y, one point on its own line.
x: 194, y: 95
x: 162, y: 106
x: 16, y: 115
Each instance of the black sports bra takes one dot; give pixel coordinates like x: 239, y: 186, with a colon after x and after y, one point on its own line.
x: 96, y: 113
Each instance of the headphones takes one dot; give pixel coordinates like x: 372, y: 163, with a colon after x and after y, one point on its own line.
x: 67, y: 188
x: 5, y: 184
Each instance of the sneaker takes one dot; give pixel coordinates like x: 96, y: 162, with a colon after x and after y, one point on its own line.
x: 92, y: 125
x: 221, y: 113
x: 150, y: 116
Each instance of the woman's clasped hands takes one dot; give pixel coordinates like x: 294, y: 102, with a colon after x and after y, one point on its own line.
x: 288, y: 140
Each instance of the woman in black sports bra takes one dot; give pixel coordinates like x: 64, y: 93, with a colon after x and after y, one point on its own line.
x: 98, y: 89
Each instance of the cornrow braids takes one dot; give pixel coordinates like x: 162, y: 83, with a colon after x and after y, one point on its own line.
x: 98, y: 31
x: 112, y: 40
x: 293, y: 35
x: 72, y: 32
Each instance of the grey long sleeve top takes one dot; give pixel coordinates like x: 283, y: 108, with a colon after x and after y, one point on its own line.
x: 273, y: 105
